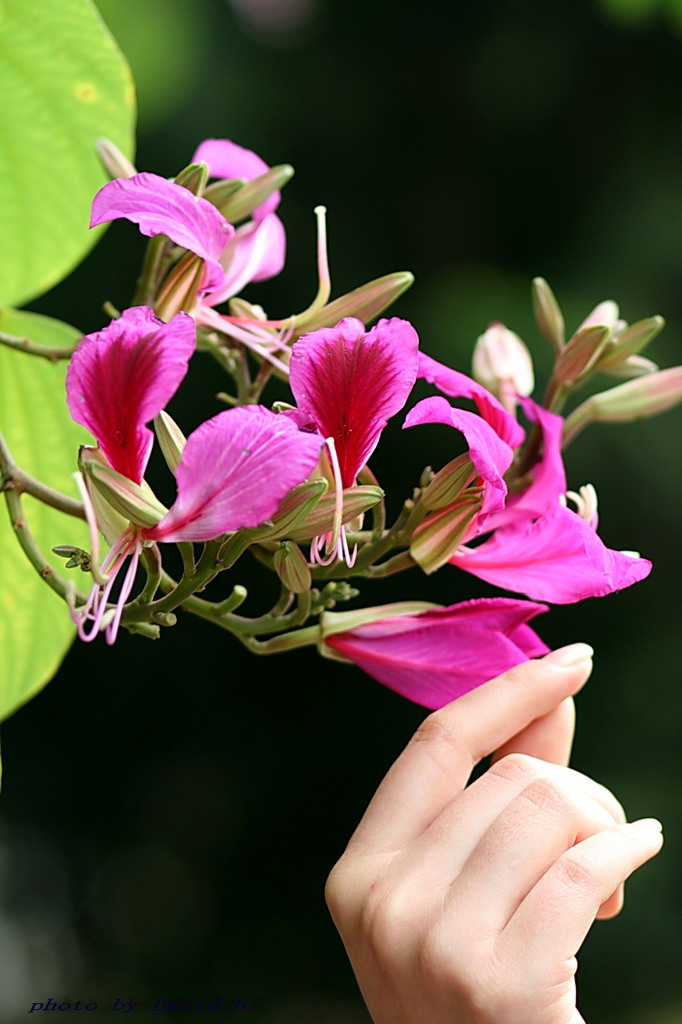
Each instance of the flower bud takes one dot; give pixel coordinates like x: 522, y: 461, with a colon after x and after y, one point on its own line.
x: 364, y: 303
x: 448, y: 483
x: 292, y: 568
x: 548, y: 314
x: 193, y: 178
x: 629, y: 342
x: 633, y: 400
x: 136, y: 503
x: 180, y: 289
x: 171, y: 439
x: 633, y: 366
x: 581, y: 353
x: 116, y: 164
x: 438, y: 536
x: 502, y: 363
x: 604, y: 314
x: 244, y: 199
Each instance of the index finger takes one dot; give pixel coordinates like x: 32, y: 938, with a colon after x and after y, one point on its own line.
x: 437, y: 762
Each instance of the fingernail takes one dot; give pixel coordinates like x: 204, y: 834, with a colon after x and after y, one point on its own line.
x: 571, y: 655
x: 651, y: 826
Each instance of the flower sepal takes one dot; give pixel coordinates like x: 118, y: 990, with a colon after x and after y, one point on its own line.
x: 356, y: 501
x: 629, y: 342
x: 342, y: 622
x: 180, y: 289
x: 110, y: 523
x: 293, y: 511
x: 448, y: 483
x: 135, y: 502
x: 193, y: 178
x: 581, y: 354
x: 438, y: 536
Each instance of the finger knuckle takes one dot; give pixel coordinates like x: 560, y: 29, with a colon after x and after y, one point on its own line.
x: 576, y: 871
x: 517, y: 768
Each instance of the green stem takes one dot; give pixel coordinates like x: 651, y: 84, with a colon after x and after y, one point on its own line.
x: 53, y: 353
x: 13, y: 478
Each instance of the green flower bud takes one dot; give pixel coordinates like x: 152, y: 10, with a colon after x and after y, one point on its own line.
x: 356, y: 501
x: 629, y: 342
x: 292, y: 568
x: 548, y: 315
x: 581, y: 353
x: 193, y: 178
x: 293, y: 510
x: 171, y: 439
x: 633, y: 400
x: 110, y: 522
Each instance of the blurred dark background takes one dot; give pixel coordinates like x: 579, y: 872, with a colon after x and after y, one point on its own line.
x: 171, y: 810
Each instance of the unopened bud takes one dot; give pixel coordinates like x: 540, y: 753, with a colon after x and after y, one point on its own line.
x: 364, y: 303
x: 604, y: 314
x: 292, y: 568
x: 548, y: 315
x: 634, y: 400
x: 116, y: 164
x: 244, y: 199
x: 502, y: 363
x: 137, y: 504
x: 633, y: 366
x: 171, y: 439
x: 581, y: 353
x: 629, y: 342
x: 179, y: 291
x: 448, y: 483
x: 241, y: 308
x: 193, y: 178
x: 438, y: 536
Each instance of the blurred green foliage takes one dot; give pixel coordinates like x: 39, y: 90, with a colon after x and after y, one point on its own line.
x: 184, y: 801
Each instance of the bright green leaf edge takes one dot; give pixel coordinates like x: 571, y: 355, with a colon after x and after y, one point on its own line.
x: 64, y: 83
x: 35, y: 628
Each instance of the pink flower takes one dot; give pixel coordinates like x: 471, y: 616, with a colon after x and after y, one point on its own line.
x: 435, y: 656
x: 160, y: 207
x: 540, y: 547
x: 347, y: 383
x: 235, y: 468
x: 258, y: 250
x: 254, y: 252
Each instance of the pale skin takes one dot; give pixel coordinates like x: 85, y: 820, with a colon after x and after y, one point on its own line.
x: 468, y: 905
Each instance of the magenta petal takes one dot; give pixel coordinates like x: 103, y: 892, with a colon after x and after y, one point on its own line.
x: 490, y: 455
x: 160, y: 207
x: 557, y: 558
x: 350, y: 383
x: 436, y: 656
x: 255, y: 253
x: 121, y: 377
x: 226, y: 159
x: 235, y: 470
x: 458, y: 385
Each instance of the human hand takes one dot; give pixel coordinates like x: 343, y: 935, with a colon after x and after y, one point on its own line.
x: 467, y: 905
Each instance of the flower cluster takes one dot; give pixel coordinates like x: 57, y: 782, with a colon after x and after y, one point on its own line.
x: 292, y: 483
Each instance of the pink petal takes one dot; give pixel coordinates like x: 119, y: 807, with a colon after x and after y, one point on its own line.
x: 350, y: 383
x: 437, y: 656
x: 548, y: 477
x: 255, y: 253
x: 122, y: 377
x: 226, y: 159
x: 458, y: 385
x: 490, y: 455
x: 557, y: 558
x: 160, y: 207
x: 235, y: 470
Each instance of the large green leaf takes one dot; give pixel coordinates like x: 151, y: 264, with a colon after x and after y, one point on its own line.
x: 35, y: 628
x: 63, y: 84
